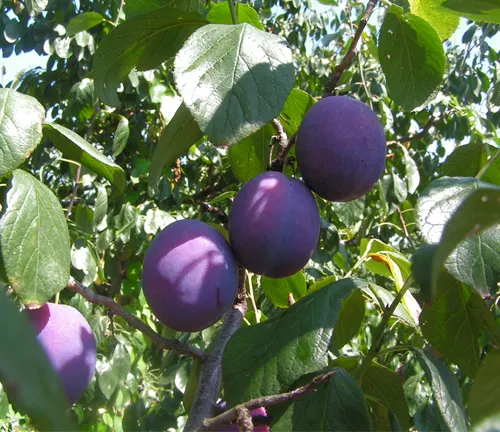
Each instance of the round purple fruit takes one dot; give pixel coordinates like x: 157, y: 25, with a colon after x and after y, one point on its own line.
x: 274, y: 225
x: 190, y: 276
x: 67, y: 339
x: 341, y: 148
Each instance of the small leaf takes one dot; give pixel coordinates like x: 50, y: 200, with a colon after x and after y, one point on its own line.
x: 82, y: 22
x: 444, y: 22
x: 296, y: 106
x: 350, y: 212
x: 121, y: 136
x: 446, y: 391
x: 394, y: 190
x: 412, y: 174
x: 220, y: 14
x: 338, y: 405
x: 121, y: 362
x: 494, y: 94
x: 454, y: 322
x: 144, y: 41
x: 107, y: 377
x: 36, y: 7
x: 178, y: 136
x: 461, y: 212
x: 19, y: 134
x: 485, y: 390
x: 412, y: 57
x: 267, y: 358
x: 234, y: 79
x: 34, y: 240
x: 26, y: 373
x: 350, y: 319
x: 76, y: 148
x: 101, y: 206
x: 278, y: 290
x: 250, y: 157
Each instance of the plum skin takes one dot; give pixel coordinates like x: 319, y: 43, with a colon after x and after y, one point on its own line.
x: 341, y: 148
x: 189, y: 276
x: 67, y: 339
x: 274, y: 225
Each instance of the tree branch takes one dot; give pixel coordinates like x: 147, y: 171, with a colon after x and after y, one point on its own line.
x: 266, y: 401
x: 408, y: 138
x: 211, y: 370
x: 346, y: 62
x: 115, y: 308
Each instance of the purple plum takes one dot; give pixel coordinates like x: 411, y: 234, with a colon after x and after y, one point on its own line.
x: 341, y: 148
x: 190, y: 276
x: 66, y: 337
x: 274, y: 225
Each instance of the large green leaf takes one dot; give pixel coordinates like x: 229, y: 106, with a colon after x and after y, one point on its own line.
x: 234, y: 79
x: 338, y: 405
x: 144, y: 41
x: 412, y: 58
x: 83, y: 21
x: 220, y: 14
x: 485, y: 390
x: 350, y: 319
x: 446, y: 391
x: 267, y: 358
x: 34, y: 240
x: 133, y: 8
x: 444, y: 22
x: 180, y: 133
x: 74, y: 147
x: 26, y: 373
x: 250, y: 157
x: 456, y: 211
x: 454, y: 322
x: 278, y: 290
x: 477, y: 10
x: 21, y: 118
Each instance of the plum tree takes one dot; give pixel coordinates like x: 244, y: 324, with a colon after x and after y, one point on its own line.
x: 190, y: 276
x: 69, y: 342
x: 341, y: 148
x: 274, y: 225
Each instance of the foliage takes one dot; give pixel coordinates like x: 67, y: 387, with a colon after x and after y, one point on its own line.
x: 149, y: 112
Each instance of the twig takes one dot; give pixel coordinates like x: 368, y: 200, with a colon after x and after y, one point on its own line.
x: 282, y: 157
x: 252, y: 298
x: 234, y: 11
x: 408, y: 138
x: 116, y: 309
x: 346, y: 62
x: 488, y: 164
x: 211, y: 370
x: 405, y: 229
x: 266, y: 401
x: 378, y: 336
x: 216, y: 211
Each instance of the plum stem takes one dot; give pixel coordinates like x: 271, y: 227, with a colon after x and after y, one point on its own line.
x: 346, y: 61
x: 266, y: 401
x: 211, y: 370
x: 116, y: 309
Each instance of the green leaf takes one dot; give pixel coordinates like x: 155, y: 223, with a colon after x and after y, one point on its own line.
x: 468, y: 159
x: 34, y: 240
x: 338, y: 405
x: 82, y: 22
x: 234, y: 79
x: 220, y: 14
x: 395, y: 191
x: 461, y: 212
x: 177, y: 137
x: 454, y: 322
x: 250, y: 157
x: 107, y: 377
x: 101, y: 206
x: 121, y: 136
x: 494, y: 94
x: 350, y: 212
x: 485, y: 390
x: 267, y: 358
x: 296, y: 106
x: 386, y: 386
x: 446, y: 391
x: 74, y: 147
x: 490, y: 424
x: 412, y: 58
x: 478, y: 10
x: 26, y: 373
x: 121, y: 362
x: 36, y: 7
x: 444, y: 22
x: 350, y: 319
x: 145, y: 42
x: 19, y: 133
x: 84, y: 218
x: 133, y: 8
x: 82, y: 259
x: 412, y: 173
x: 278, y: 290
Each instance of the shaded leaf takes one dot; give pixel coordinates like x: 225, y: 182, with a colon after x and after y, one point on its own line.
x: 36, y: 7
x: 138, y: 7
x: 350, y: 319
x: 278, y: 290
x: 121, y: 136
x: 82, y: 22
x: 350, y: 212
x: 234, y: 79
x: 101, y: 206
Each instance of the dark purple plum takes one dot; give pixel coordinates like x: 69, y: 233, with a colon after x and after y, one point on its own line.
x: 274, y: 225
x: 341, y: 148
x: 66, y: 337
x: 190, y: 276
